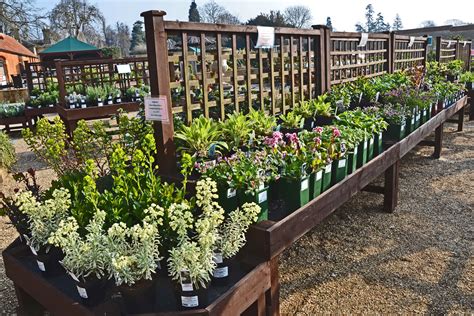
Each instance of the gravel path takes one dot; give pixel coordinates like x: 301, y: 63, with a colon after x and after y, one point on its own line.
x: 419, y: 259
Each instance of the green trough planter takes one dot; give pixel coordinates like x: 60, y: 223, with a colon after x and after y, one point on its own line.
x: 227, y: 198
x: 417, y: 118
x: 370, y: 149
x: 327, y: 171
x: 410, y: 125
x: 259, y: 197
x: 295, y: 192
x: 394, y: 132
x: 378, y: 144
x: 352, y: 160
x: 315, y: 184
x: 339, y: 170
x: 362, y: 153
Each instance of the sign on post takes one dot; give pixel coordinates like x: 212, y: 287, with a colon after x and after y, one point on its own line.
x: 156, y: 109
x: 363, y: 39
x: 266, y: 37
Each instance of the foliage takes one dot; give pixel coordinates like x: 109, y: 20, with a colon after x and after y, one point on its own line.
x: 7, y: 151
x: 298, y: 16
x: 236, y: 130
x: 291, y: 120
x: 467, y: 77
x: 193, y: 15
x: 11, y: 110
x: 138, y: 35
x: 260, y: 123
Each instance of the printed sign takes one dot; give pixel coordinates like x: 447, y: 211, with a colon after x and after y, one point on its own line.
x: 262, y: 196
x: 412, y: 41
x: 266, y: 37
x: 123, y: 69
x: 156, y: 109
x: 221, y: 272
x: 327, y: 169
x: 363, y: 39
x: 319, y: 175
x: 231, y: 193
x: 189, y: 301
x: 217, y: 257
x: 341, y: 163
x: 304, y: 184
x: 82, y: 292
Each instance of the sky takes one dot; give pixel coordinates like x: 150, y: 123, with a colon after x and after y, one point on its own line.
x: 344, y: 13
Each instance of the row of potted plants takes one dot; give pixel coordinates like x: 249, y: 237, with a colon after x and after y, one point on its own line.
x: 11, y: 110
x: 110, y: 221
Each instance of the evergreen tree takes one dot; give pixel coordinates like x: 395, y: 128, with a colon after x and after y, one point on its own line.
x: 329, y: 23
x: 370, y: 24
x: 397, y: 23
x: 380, y: 24
x: 138, y: 35
x: 193, y: 15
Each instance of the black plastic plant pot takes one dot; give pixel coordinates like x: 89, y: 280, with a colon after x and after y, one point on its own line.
x: 227, y: 198
x: 220, y: 275
x: 309, y: 123
x: 295, y: 192
x: 48, y: 262
x: 259, y: 197
x: 92, y: 290
x: 370, y: 149
x: 138, y: 297
x: 451, y: 78
x: 352, y: 160
x: 394, y: 132
x: 323, y: 120
x: 274, y: 191
x: 469, y: 85
x: 417, y: 118
x: 315, y: 184
x: 339, y: 170
x: 188, y: 297
x: 285, y: 130
x: 362, y: 153
x: 327, y: 172
x: 424, y: 116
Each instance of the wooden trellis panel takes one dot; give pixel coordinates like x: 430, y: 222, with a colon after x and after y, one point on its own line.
x: 464, y: 53
x: 216, y: 69
x: 40, y: 75
x: 407, y: 54
x: 446, y: 50
x: 348, y: 60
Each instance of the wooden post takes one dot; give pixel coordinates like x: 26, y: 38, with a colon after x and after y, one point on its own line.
x: 461, y: 119
x: 391, y: 187
x: 29, y: 80
x: 273, y: 294
x: 438, y: 48
x: 390, y: 54
x: 438, y: 141
x: 27, y: 304
x: 157, y: 50
x: 456, y: 52
x: 322, y: 57
x: 61, y: 84
x: 425, y: 60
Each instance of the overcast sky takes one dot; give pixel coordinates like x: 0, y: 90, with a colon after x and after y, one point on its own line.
x: 344, y: 13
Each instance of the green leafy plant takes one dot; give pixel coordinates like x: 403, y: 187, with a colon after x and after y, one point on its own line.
x: 236, y: 130
x: 291, y: 120
x: 7, y: 152
x: 261, y: 123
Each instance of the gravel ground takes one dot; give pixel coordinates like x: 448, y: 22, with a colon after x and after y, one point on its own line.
x: 362, y: 260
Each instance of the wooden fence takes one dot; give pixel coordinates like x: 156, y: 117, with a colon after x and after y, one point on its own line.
x: 449, y: 50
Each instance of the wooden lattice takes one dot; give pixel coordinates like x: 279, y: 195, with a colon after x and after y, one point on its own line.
x: 446, y: 50
x: 215, y: 70
x: 464, y: 53
x: 408, y: 54
x: 40, y: 75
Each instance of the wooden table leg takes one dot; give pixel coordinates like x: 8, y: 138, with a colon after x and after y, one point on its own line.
x: 273, y: 295
x: 438, y: 141
x: 28, y: 306
x: 390, y: 200
x: 471, y: 106
x: 461, y: 119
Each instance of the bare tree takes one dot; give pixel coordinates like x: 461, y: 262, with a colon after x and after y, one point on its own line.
x: 428, y: 23
x: 215, y: 13
x: 78, y: 18
x: 455, y: 22
x: 298, y: 16
x: 21, y: 19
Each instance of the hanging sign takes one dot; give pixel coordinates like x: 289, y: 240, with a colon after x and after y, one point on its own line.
x: 412, y: 41
x: 156, y: 109
x: 465, y: 43
x: 449, y: 44
x: 363, y: 39
x: 266, y: 37
x: 429, y: 40
x: 123, y: 69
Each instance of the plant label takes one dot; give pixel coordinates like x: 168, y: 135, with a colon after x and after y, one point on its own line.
x: 402, y: 127
x: 412, y: 41
x: 33, y: 250
x: 319, y: 175
x: 261, y: 186
x: 341, y: 163
x: 41, y: 265
x: 220, y: 272
x: 73, y: 276
x: 217, y: 257
x: 356, y: 150
x: 190, y: 301
x: 377, y: 96
x: 424, y: 112
x: 82, y: 292
x: 231, y: 193
x: 262, y: 196
x: 123, y: 69
x: 266, y: 37
x: 185, y: 278
x: 465, y: 43
x: 412, y: 120
x: 365, y: 145
x: 449, y: 44
x: 304, y: 184
x: 380, y: 136
x: 118, y: 100
x: 363, y: 39
x: 371, y: 142
x: 156, y: 109
x: 327, y: 169
x: 360, y: 96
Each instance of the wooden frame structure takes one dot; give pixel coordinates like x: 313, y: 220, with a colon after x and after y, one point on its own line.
x: 448, y: 50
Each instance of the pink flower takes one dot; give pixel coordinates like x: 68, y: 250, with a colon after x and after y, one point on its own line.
x: 318, y: 129
x: 293, y: 138
x: 317, y: 140
x: 336, y: 132
x: 277, y: 136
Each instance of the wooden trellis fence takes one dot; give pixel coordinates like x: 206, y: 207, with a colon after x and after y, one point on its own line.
x: 448, y: 50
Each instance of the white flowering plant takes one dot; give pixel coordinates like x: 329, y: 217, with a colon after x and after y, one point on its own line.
x: 86, y: 256
x: 197, y: 237
x: 134, y: 251
x: 44, y: 217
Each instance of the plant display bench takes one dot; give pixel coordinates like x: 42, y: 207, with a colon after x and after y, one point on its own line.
x: 270, y: 238
x: 32, y: 114
x: 470, y: 94
x: 8, y: 121
x: 245, y: 294
x: 70, y: 117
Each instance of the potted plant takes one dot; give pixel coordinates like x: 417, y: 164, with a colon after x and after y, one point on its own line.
x: 236, y: 131
x: 291, y: 123
x: 325, y: 114
x: 317, y: 157
x: 261, y: 123
x: 307, y: 111
x: 395, y: 115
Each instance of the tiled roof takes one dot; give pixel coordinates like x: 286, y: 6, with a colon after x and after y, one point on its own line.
x: 10, y: 45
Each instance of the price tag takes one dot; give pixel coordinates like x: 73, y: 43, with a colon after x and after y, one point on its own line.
x: 231, y: 193
x: 123, y: 69
x: 221, y: 272
x: 156, y: 109
x: 262, y: 196
x: 319, y: 175
x: 327, y: 169
x: 304, y: 185
x: 82, y: 292
x: 190, y: 301
x: 341, y: 163
x: 266, y: 37
x: 186, y: 284
x: 41, y: 265
x: 363, y: 39
x: 217, y: 257
x: 412, y: 41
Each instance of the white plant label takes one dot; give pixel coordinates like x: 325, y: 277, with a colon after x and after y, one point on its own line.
x: 402, y: 127
x: 217, y: 257
x: 304, y: 184
x: 220, y: 272
x: 82, y: 292
x: 412, y: 41
x: 424, y: 112
x: 156, y: 109
x: 377, y: 96
x: 123, y: 69
x: 363, y: 39
x: 371, y: 141
x: 465, y: 43
x: 319, y: 175
x: 262, y: 196
x: 449, y: 44
x: 119, y: 100
x: 413, y: 120
x: 33, y: 250
x: 231, y: 193
x: 327, y: 169
x: 356, y: 150
x: 186, y: 284
x: 190, y: 301
x: 341, y: 163
x: 73, y: 276
x: 380, y: 135
x: 266, y: 37
x: 100, y: 103
x: 41, y: 265
x: 365, y: 145
x: 261, y: 186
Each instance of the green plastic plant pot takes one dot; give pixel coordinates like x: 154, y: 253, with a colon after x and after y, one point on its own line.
x: 339, y: 170
x: 352, y: 160
x: 410, y: 125
x: 417, y: 118
x: 315, y: 184
x: 327, y: 171
x: 394, y: 132
x: 295, y: 192
x: 227, y: 198
x: 424, y: 116
x: 362, y: 153
x: 259, y: 197
x: 378, y: 144
x: 370, y: 149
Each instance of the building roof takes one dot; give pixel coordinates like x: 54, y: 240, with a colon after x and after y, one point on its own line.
x: 10, y: 45
x: 69, y: 45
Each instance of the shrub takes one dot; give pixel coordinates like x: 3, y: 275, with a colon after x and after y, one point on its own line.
x: 7, y: 151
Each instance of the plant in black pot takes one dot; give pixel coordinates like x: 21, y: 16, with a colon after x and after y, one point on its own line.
x: 395, y: 115
x: 236, y: 131
x: 261, y: 123
x: 307, y: 111
x: 291, y: 122
x: 325, y: 113
x: 468, y: 79
x: 454, y: 69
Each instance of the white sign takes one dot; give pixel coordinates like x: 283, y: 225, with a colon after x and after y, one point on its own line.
x: 123, y: 69
x: 449, y: 44
x: 220, y: 272
x: 82, y: 292
x: 363, y: 39
x: 319, y: 175
x: 341, y: 163
x: 412, y: 41
x: 262, y: 196
x: 156, y: 109
x: 465, y: 43
x: 304, y: 184
x: 266, y: 37
x: 189, y: 301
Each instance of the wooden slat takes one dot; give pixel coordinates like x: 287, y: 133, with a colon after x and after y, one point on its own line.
x: 292, y: 71
x: 310, y: 68
x: 260, y: 81
x: 249, y: 65
x: 282, y: 71
x: 272, y: 82
x: 409, y: 59
x: 234, y: 71
x: 356, y: 52
x: 187, y: 95
x: 359, y: 65
x: 409, y: 50
x: 301, y: 72
x: 219, y: 75
x: 204, y: 75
